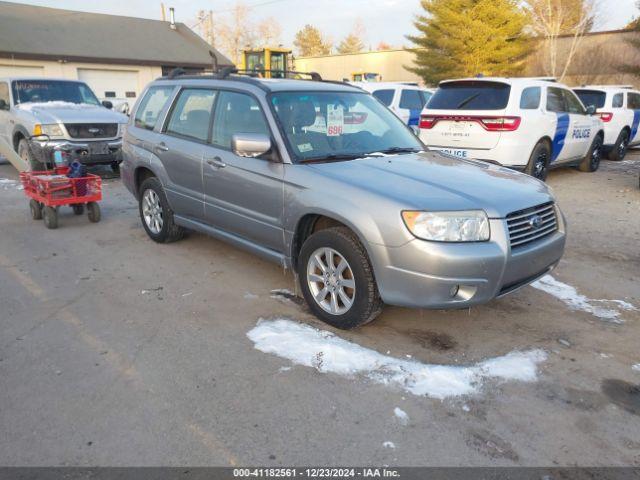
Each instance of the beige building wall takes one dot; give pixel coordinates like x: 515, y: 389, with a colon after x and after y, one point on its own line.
x: 390, y: 64
x: 69, y: 70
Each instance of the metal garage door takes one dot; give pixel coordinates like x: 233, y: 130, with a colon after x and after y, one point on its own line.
x: 20, y: 71
x: 111, y: 83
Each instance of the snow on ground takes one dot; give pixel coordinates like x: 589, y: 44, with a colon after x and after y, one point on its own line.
x: 8, y: 184
x: 576, y: 301
x: 401, y: 415
x: 322, y: 350
x: 389, y: 445
x: 636, y: 367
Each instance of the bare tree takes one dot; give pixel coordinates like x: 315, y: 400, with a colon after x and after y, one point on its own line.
x: 552, y: 19
x: 268, y: 32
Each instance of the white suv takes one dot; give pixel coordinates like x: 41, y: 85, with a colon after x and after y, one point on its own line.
x: 406, y: 100
x: 522, y: 123
x: 619, y: 109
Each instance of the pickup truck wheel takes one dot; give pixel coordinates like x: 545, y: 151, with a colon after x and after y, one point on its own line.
x: 115, y: 167
x: 156, y: 216
x: 25, y: 154
x: 337, y: 279
x: 619, y: 150
x: 591, y: 162
x: 538, y: 166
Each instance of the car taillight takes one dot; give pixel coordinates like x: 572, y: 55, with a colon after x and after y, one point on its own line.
x: 500, y: 124
x: 427, y: 121
x: 605, y: 116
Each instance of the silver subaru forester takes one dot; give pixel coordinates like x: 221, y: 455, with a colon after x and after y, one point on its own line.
x: 321, y: 178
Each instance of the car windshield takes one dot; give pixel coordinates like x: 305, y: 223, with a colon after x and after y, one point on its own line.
x: 596, y: 98
x: 340, y: 126
x: 43, y: 91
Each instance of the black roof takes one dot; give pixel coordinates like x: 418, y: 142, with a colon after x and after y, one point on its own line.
x: 30, y: 32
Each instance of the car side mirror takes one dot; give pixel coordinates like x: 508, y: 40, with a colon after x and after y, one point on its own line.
x: 107, y: 104
x: 3, y: 105
x: 250, y: 145
x: 591, y: 110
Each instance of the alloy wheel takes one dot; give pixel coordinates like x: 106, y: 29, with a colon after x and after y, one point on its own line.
x: 152, y: 211
x: 330, y: 280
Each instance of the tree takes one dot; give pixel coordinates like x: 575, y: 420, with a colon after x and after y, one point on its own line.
x: 353, y: 43
x: 234, y: 34
x: 268, y: 32
x: 550, y: 19
x: 634, y: 67
x: 460, y: 38
x: 310, y: 42
x: 383, y: 46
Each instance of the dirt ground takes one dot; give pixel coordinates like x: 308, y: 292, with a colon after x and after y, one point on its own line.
x: 118, y: 351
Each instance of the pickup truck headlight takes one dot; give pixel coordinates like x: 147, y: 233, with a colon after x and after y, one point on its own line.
x: 463, y: 226
x: 52, y: 130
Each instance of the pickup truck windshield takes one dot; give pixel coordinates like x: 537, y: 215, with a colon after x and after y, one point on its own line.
x: 43, y: 91
x: 340, y: 126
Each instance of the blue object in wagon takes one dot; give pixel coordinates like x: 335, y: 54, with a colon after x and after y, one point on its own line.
x: 78, y: 170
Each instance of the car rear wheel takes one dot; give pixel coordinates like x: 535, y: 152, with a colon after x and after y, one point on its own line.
x: 337, y: 279
x: 591, y: 162
x: 156, y: 216
x: 619, y: 150
x: 25, y: 154
x: 538, y: 166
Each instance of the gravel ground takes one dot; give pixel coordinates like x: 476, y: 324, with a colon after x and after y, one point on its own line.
x: 118, y: 351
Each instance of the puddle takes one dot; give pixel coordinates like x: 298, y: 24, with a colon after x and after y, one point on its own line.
x: 624, y: 394
x: 608, y: 310
x: 327, y: 353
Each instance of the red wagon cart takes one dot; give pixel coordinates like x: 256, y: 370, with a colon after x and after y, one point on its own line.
x: 51, y: 189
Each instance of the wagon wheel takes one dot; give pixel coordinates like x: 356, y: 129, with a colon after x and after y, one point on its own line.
x: 78, y: 209
x: 50, y: 217
x: 36, y: 209
x: 93, y: 210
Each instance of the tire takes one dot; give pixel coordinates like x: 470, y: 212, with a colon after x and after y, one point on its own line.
x: 538, y: 166
x: 36, y: 209
x: 78, y: 209
x: 591, y: 162
x: 365, y: 301
x: 25, y: 154
x: 93, y: 212
x: 50, y: 215
x: 619, y: 150
x: 115, y: 167
x: 153, y: 202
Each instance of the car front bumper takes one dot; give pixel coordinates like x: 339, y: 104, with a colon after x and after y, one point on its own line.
x: 434, y: 275
x: 77, y: 151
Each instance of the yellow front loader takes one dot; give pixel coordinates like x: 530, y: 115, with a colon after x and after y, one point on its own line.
x: 267, y: 62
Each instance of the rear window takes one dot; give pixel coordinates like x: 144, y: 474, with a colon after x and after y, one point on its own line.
x: 596, y: 98
x: 471, y: 95
x: 618, y: 100
x: 151, y: 106
x: 412, y: 100
x: 385, y: 96
x: 633, y: 101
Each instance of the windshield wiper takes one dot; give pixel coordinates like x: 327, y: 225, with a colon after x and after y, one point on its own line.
x: 333, y: 157
x: 467, y: 100
x: 398, y: 150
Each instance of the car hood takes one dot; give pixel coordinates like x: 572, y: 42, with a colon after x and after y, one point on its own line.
x: 433, y: 181
x: 63, y: 112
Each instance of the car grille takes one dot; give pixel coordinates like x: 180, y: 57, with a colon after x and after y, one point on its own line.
x: 92, y: 130
x: 531, y: 224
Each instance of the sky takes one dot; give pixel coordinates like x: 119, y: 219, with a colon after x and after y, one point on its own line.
x: 384, y: 20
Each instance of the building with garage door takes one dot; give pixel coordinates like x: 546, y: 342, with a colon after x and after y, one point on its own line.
x: 117, y: 56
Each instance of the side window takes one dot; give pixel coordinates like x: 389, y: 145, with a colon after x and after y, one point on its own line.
x: 618, y: 100
x: 530, y: 99
x: 110, y: 94
x: 191, y: 114
x: 411, y: 99
x: 574, y: 105
x: 555, y: 100
x: 236, y: 113
x: 385, y: 96
x: 4, y: 93
x: 151, y: 106
x: 633, y: 101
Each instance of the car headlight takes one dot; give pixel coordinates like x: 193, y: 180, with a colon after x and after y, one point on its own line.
x: 463, y: 226
x: 52, y: 130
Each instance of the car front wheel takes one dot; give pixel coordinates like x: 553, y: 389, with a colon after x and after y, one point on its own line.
x: 25, y: 154
x: 155, y: 213
x: 337, y: 279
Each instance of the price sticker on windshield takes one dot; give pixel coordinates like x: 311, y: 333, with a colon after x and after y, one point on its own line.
x: 335, y: 120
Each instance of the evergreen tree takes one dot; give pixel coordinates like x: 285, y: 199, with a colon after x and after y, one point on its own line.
x: 309, y: 42
x: 351, y: 44
x: 461, y: 38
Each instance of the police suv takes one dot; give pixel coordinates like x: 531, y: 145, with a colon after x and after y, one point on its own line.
x: 406, y: 100
x: 619, y: 109
x: 523, y: 123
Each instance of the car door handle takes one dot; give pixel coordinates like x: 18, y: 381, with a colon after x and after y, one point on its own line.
x: 216, y: 162
x: 161, y: 147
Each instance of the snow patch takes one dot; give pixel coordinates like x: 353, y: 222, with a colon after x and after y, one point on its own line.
x: 8, y: 184
x: 29, y: 106
x: 636, y: 367
x: 250, y: 296
x: 576, y: 301
x: 322, y: 350
x: 401, y: 415
x: 389, y: 445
